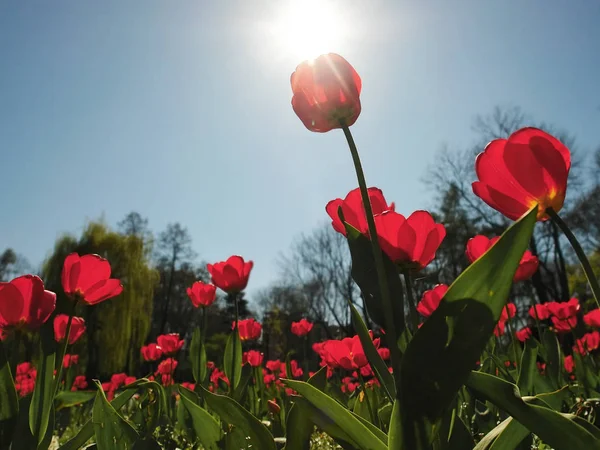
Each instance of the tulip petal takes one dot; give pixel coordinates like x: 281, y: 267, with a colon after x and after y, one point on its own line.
x: 12, y: 305
x: 103, y: 290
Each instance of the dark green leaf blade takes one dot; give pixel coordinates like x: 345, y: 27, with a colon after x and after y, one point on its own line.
x: 206, y: 428
x: 43, y: 393
x: 9, y: 406
x: 232, y: 413
x: 111, y: 430
x: 377, y: 364
x: 455, y: 335
x: 553, y: 428
x: 361, y: 435
x: 234, y: 376
x: 528, y: 367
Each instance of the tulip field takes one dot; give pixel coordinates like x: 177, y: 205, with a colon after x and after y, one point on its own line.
x: 450, y: 369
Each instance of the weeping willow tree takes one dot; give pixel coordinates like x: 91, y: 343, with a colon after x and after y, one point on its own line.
x: 118, y: 327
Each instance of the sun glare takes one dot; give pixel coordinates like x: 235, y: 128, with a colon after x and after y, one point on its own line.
x: 306, y: 29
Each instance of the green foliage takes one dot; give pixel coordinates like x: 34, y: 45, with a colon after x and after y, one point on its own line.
x: 118, y: 327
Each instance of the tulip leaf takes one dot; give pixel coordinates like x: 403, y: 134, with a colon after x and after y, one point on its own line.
x: 43, y: 393
x: 553, y: 358
x: 456, y: 334
x: 66, y: 399
x: 299, y: 426
x: 9, y: 406
x: 87, y: 431
x: 528, y: 367
x: 198, y: 357
x: 111, y: 430
x: 506, y: 436
x: 206, y: 428
x: 232, y: 413
x: 364, y: 274
x: 377, y: 364
x: 233, y: 359
x: 553, y: 428
x: 355, y: 431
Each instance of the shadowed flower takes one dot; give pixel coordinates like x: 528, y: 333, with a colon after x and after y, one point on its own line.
x: 523, y: 334
x: 480, y: 244
x: 508, y: 312
x: 151, y: 352
x: 232, y: 275
x: 353, y: 209
x: 202, y: 294
x: 170, y: 343
x: 530, y: 167
x: 592, y: 319
x: 539, y: 312
x: 326, y: 93
x: 301, y: 328
x: 87, y: 279
x: 60, y: 328
x: 431, y: 300
x: 70, y: 360
x: 25, y: 303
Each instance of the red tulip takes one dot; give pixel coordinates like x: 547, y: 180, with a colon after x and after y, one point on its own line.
x: 530, y: 167
x: 202, y: 294
x: 232, y: 275
x: 569, y: 363
x: 60, y: 328
x: 523, y: 334
x: 301, y: 328
x: 167, y: 366
x: 275, y: 365
x: 170, y: 343
x: 431, y: 300
x: 592, y: 319
x: 25, y: 303
x: 129, y: 380
x: 274, y: 408
x: 539, y: 312
x: 217, y: 376
x: 326, y: 93
x: 508, y: 312
x: 151, y: 352
x: 297, y: 371
x: 190, y: 386
x: 79, y: 383
x: 480, y: 244
x: 70, y: 360
x: 347, y: 353
x: 354, y: 210
x: 252, y: 357
x: 563, y: 310
x: 564, y: 325
x: 410, y: 242
x: 87, y: 279
x: 588, y: 343
x: 249, y: 329
x: 384, y: 353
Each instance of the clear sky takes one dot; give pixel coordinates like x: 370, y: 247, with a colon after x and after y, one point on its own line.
x: 181, y: 110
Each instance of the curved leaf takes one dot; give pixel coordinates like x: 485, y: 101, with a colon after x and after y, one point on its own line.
x: 111, y: 430
x: 233, y: 368
x: 232, y: 413
x: 299, y: 427
x: 206, y: 428
x: 66, y: 399
x: 361, y: 435
x: 553, y: 428
x: 9, y: 406
x: 528, y: 367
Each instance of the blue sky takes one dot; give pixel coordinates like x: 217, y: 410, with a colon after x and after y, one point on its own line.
x: 181, y: 110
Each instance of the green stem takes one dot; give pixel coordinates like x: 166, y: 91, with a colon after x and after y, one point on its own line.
x: 234, y: 353
x: 512, y: 336
x: 585, y: 263
x: 377, y: 255
x: 414, y: 317
x: 62, y: 355
x: 14, y: 357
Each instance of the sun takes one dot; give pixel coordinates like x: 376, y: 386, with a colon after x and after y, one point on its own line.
x: 305, y: 29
